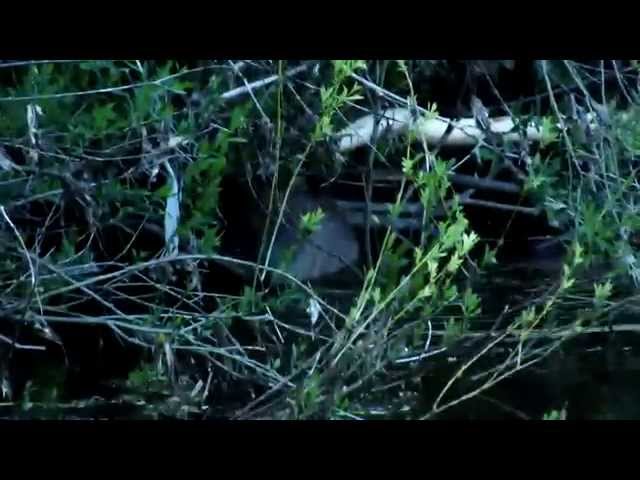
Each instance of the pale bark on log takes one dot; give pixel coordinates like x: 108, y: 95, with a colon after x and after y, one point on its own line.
x: 399, y: 121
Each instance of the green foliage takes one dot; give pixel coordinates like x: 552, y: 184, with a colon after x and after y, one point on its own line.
x: 202, y: 182
x: 488, y: 258
x: 470, y: 303
x: 543, y: 175
x: 310, y: 221
x: 336, y: 95
x: 289, y: 350
x: 556, y: 415
x: 454, y: 330
x: 602, y: 292
x: 549, y: 132
x: 627, y: 129
x: 145, y: 380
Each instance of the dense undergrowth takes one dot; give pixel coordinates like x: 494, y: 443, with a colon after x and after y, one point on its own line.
x: 291, y: 240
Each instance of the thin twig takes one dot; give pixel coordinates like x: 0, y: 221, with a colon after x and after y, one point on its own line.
x: 121, y: 88
x: 236, y: 92
x: 21, y: 346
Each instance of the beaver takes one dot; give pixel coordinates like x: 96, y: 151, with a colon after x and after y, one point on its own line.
x: 331, y: 248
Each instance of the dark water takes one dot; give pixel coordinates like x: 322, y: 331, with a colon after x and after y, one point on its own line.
x: 587, y: 382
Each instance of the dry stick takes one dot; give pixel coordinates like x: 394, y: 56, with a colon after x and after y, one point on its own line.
x: 187, y: 315
x: 247, y: 408
x: 266, y: 226
x: 261, y: 83
x: 379, y: 307
x: 621, y: 82
x: 490, y: 384
x: 421, y: 356
x: 21, y: 346
x: 272, y: 192
x: 304, y: 106
x: 509, y: 165
x: 281, y: 211
x: 134, y: 234
x: 97, y: 297
x: 428, y: 156
x: 505, y: 407
x: 497, y: 94
x: 231, y: 94
x: 484, y: 183
x: 121, y: 88
x: 578, y: 81
x: 33, y: 290
x: 250, y: 90
x: 603, y: 96
x: 352, y: 216
x: 368, y: 191
x: 22, y: 245
x: 174, y: 292
x: 28, y: 63
x: 367, y: 177
x: 257, y: 366
x: 216, y: 258
x: 107, y: 320
x: 601, y: 140
x: 284, y: 382
x: 466, y: 366
x: 479, y: 183
x: 526, y: 332
x: 500, y: 206
x: 495, y: 371
x: 563, y: 127
x: 392, y: 96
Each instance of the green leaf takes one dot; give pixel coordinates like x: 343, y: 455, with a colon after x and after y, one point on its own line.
x: 376, y: 295
x: 471, y: 303
x: 468, y: 241
x: 310, y: 221
x: 602, y: 292
x: 181, y: 86
x: 68, y: 249
x: 489, y: 257
x: 454, y: 262
x: 238, y: 118
x: 103, y: 116
x: 549, y: 131
x: 450, y: 293
x: 163, y: 192
x: 210, y: 242
x: 527, y: 317
x: 453, y: 332
x: 143, y: 101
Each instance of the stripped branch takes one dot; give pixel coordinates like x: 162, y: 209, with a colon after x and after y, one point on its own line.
x: 399, y: 121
